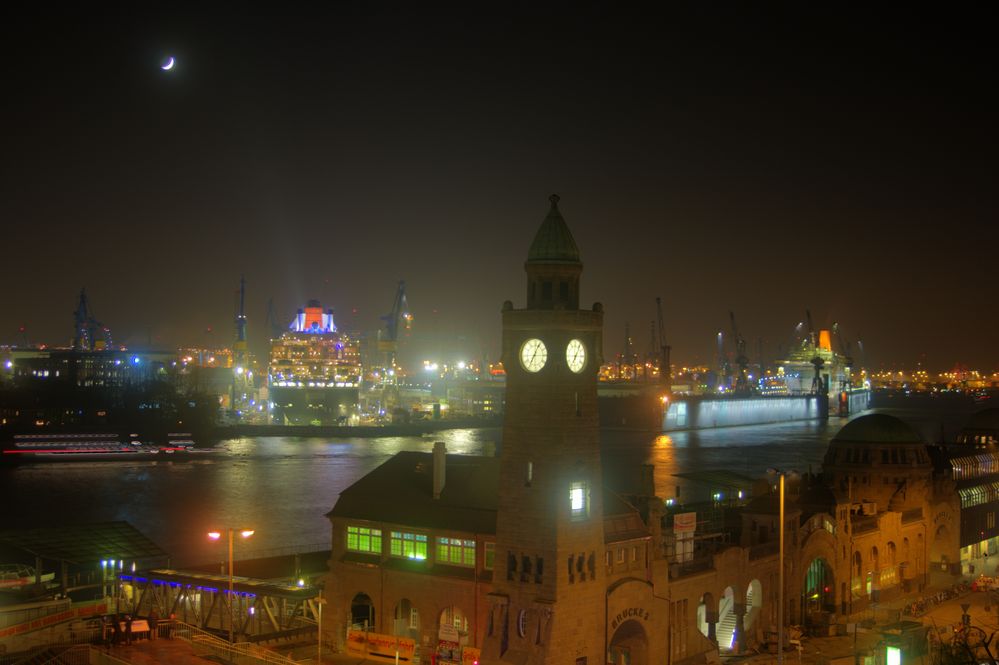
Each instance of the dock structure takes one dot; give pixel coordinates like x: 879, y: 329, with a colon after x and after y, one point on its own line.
x: 258, y: 610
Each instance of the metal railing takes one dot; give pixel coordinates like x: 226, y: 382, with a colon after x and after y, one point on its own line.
x: 691, y: 566
x: 241, y: 653
x: 62, y: 654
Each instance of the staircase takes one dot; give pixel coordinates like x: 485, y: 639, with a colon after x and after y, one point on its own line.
x: 725, y: 629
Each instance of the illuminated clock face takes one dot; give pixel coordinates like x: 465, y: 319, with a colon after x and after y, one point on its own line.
x: 533, y: 355
x: 575, y: 355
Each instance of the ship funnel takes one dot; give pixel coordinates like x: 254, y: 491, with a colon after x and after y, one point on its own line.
x: 440, y: 463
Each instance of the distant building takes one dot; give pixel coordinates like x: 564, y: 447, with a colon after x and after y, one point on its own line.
x: 86, y: 369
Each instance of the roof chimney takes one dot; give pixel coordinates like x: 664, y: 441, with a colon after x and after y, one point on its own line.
x: 440, y: 463
x: 648, y: 480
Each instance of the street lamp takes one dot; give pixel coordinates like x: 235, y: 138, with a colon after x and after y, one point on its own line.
x: 217, y: 535
x: 320, y: 601
x: 780, y: 573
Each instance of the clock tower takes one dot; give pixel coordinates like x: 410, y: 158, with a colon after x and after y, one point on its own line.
x: 549, y: 589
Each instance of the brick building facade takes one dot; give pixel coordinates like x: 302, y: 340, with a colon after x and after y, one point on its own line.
x: 531, y: 558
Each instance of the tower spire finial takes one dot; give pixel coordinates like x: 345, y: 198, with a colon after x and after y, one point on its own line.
x: 554, y: 198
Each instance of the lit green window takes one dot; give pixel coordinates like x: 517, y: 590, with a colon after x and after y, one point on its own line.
x: 408, y: 545
x: 364, y: 539
x: 456, y: 552
x: 490, y: 556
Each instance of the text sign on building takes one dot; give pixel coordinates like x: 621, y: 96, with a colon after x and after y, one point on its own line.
x: 448, y: 633
x: 685, y: 523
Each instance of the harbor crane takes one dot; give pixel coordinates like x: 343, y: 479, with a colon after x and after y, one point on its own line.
x: 276, y: 328
x: 741, y: 359
x: 87, y: 328
x: 388, y: 339
x: 818, y: 386
x: 626, y: 353
x: 665, y: 370
x: 723, y: 364
x: 845, y: 349
x: 242, y: 375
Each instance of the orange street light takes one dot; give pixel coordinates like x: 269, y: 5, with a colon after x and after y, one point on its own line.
x: 216, y: 535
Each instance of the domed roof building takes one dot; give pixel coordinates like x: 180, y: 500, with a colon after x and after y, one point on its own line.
x: 879, y: 459
x: 891, y: 518
x: 878, y: 428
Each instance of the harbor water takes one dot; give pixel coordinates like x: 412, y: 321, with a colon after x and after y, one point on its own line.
x: 282, y: 487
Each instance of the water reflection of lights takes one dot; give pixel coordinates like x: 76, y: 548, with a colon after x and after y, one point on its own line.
x: 664, y: 440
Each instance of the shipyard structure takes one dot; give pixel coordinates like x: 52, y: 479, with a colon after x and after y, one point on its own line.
x: 314, y: 375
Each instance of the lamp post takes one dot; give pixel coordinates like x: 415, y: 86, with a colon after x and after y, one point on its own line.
x: 780, y: 580
x: 780, y: 572
x: 319, y: 636
x: 216, y: 535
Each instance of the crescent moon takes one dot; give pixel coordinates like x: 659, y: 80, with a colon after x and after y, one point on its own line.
x: 168, y: 65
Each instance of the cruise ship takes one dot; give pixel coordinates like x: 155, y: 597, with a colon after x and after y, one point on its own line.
x: 314, y: 374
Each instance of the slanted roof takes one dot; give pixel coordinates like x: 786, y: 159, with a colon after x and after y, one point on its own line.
x: 400, y: 491
x: 84, y: 543
x: 622, y: 521
x: 212, y: 581
x: 553, y: 243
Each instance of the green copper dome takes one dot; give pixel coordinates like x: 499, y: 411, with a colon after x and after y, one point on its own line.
x: 553, y: 241
x: 877, y: 428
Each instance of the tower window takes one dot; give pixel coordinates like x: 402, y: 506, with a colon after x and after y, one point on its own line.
x: 563, y: 290
x: 546, y: 290
x: 579, y: 500
x: 530, y: 474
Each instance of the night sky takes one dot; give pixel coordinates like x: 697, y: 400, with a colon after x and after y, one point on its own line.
x: 758, y: 160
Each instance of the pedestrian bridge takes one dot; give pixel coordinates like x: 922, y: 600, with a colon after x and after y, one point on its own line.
x: 256, y: 611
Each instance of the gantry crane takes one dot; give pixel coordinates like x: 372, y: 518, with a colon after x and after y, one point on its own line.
x: 388, y: 339
x: 818, y: 386
x: 665, y: 370
x: 845, y: 349
x: 276, y: 328
x: 87, y: 328
x: 742, y: 380
x: 653, y: 353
